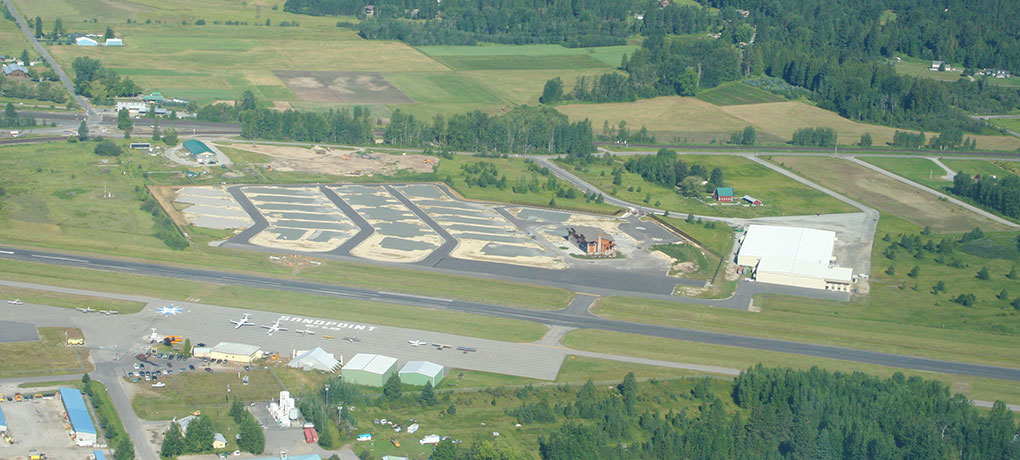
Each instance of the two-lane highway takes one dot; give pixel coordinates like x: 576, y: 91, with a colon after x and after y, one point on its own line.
x: 558, y: 318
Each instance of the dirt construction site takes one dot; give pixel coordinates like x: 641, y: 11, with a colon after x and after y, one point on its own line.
x: 339, y: 162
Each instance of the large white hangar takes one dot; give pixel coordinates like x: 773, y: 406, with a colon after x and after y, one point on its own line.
x: 793, y: 256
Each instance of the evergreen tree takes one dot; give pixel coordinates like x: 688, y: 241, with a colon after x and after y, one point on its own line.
x: 25, y: 58
x: 452, y: 410
x: 391, y: 389
x: 1012, y: 273
x: 83, y: 131
x: 445, y: 450
x: 428, y: 396
x: 155, y: 133
x: 983, y: 274
x: 124, y: 121
x: 38, y: 29
x: 865, y: 140
x: 1003, y: 295
x: 85, y: 380
x: 891, y: 270
x: 173, y: 442
x: 237, y: 410
x: 109, y: 33
x: 914, y: 271
x: 123, y: 448
x: 170, y: 137
x: 247, y: 101
x: 199, y: 437
x: 252, y: 438
x: 552, y: 92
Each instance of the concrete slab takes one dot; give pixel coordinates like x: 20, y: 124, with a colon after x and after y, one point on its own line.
x: 15, y: 331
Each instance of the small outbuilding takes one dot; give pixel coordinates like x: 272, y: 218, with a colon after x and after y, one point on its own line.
x: 85, y: 41
x: 369, y: 369
x: 3, y: 421
x: 723, y: 194
x: 155, y: 97
x: 752, y: 200
x: 114, y: 42
x: 422, y: 372
x: 315, y: 359
x: 219, y: 441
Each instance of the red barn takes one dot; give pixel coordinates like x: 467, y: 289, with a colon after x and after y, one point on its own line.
x: 723, y: 194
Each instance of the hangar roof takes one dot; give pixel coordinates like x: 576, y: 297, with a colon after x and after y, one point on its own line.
x: 376, y: 364
x: 422, y: 367
x: 81, y: 421
x: 795, y: 250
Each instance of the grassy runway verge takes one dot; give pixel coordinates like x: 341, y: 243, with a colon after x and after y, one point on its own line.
x: 59, y: 299
x: 271, y: 300
x: 49, y: 356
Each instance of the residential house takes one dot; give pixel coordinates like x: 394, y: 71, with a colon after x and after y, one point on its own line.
x: 15, y: 71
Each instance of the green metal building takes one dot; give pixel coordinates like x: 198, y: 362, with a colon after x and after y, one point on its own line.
x: 421, y: 372
x: 368, y: 369
x: 195, y: 146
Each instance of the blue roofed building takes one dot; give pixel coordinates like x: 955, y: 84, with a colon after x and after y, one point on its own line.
x: 99, y: 455
x: 3, y: 421
x: 84, y: 431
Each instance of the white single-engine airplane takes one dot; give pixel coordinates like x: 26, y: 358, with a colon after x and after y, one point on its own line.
x: 109, y: 312
x: 242, y: 322
x: 86, y: 310
x: 305, y: 331
x: 417, y: 343
x: 274, y: 328
x: 15, y: 302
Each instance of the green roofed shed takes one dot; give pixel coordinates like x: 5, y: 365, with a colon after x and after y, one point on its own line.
x: 196, y: 146
x: 724, y: 194
x: 154, y: 97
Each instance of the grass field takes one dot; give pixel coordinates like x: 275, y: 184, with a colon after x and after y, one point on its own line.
x: 680, y: 351
x: 737, y: 93
x: 667, y: 118
x: 513, y: 168
x: 59, y: 299
x: 12, y: 41
x: 270, y: 300
x: 781, y: 119
x: 607, y: 56
x: 1012, y: 124
x: 920, y: 170
x: 984, y: 167
x: 718, y: 239
x: 873, y: 325
x: 781, y: 195
x: 920, y: 68
x: 49, y: 356
x: 886, y: 194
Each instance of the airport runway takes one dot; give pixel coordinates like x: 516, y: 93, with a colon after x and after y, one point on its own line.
x: 566, y: 317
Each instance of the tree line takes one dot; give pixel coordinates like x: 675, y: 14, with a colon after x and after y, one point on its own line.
x: 1001, y: 194
x: 524, y: 129
x: 345, y: 126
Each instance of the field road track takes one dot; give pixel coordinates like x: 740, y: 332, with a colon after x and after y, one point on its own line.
x: 937, y: 193
x: 557, y: 318
x: 84, y: 103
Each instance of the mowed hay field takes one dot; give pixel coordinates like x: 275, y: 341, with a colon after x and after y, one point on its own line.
x: 781, y: 119
x: 886, y: 194
x: 668, y: 118
x: 736, y: 93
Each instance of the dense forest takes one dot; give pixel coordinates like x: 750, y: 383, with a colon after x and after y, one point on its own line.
x: 464, y: 22
x: 999, y: 193
x: 524, y: 129
x: 765, y: 414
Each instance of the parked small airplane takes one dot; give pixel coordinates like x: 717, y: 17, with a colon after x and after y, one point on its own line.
x: 274, y: 328
x: 305, y: 331
x: 242, y: 322
x: 440, y: 346
x: 15, y: 302
x: 85, y: 310
x: 467, y: 349
x: 328, y: 337
x: 352, y: 339
x: 417, y: 343
x: 109, y: 312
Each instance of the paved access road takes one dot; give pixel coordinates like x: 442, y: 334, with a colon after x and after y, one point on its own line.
x: 569, y: 318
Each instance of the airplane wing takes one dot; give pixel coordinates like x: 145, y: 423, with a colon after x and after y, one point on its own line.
x: 281, y: 328
x: 267, y: 327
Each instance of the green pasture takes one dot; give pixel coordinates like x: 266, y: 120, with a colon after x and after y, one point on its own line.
x: 441, y: 88
x: 920, y: 170
x: 513, y: 168
x: 520, y: 62
x: 781, y: 195
x: 737, y: 93
x: 1008, y: 123
x: 984, y: 167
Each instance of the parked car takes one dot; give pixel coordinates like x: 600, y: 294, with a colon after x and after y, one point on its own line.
x: 191, y: 366
x: 208, y: 369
